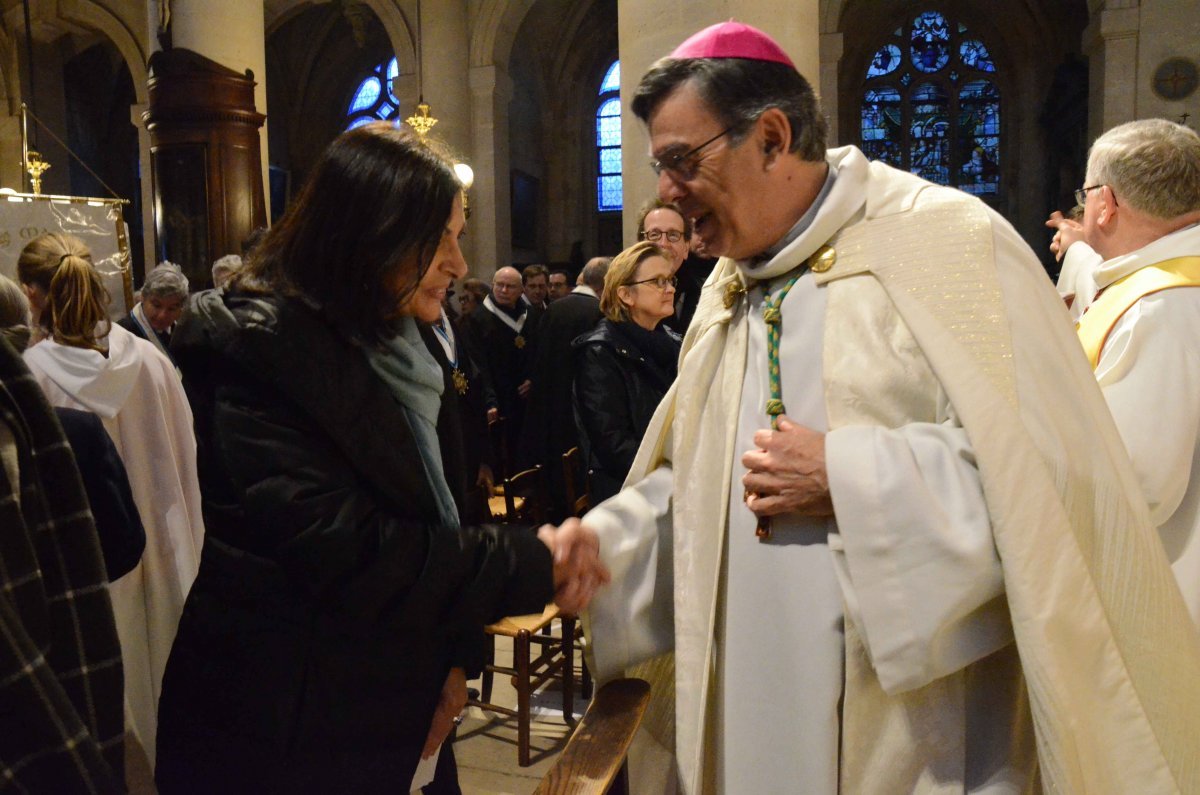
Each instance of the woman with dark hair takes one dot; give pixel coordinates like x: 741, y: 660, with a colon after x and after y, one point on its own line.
x: 86, y: 362
x: 340, y: 603
x: 625, y: 365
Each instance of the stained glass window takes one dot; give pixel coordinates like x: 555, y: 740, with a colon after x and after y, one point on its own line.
x: 931, y: 104
x: 608, y: 142
x: 374, y: 98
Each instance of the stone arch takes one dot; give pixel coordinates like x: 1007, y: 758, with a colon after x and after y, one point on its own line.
x: 395, y: 25
x: 94, y: 16
x: 495, y: 29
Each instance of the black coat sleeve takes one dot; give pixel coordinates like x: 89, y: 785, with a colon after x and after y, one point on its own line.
x: 371, y: 561
x: 604, y: 410
x: 118, y: 524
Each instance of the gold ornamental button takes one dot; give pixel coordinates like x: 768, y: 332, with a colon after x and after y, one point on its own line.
x: 733, y: 293
x: 822, y: 260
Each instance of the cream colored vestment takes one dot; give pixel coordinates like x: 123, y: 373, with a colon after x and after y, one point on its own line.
x: 1111, y: 688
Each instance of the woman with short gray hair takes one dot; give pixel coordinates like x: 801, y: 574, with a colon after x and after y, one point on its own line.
x: 163, y: 295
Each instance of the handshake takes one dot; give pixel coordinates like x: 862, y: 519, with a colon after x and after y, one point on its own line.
x: 578, y: 572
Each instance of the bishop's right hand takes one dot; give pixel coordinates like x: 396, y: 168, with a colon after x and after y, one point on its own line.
x: 578, y: 571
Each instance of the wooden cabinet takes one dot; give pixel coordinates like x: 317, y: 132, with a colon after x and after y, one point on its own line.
x: 206, y: 160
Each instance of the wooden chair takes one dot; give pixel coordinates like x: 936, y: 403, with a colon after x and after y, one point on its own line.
x: 554, y: 660
x: 498, y: 441
x: 578, y: 502
x: 574, y: 477
x: 591, y: 764
x: 525, y: 497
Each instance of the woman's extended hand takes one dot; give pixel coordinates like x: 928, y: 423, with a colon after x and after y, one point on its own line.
x: 451, y: 702
x: 578, y: 571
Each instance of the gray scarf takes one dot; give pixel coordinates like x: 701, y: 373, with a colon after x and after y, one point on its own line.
x: 415, y: 380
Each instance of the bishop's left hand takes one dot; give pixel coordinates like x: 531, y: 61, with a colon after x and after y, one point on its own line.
x: 787, y: 473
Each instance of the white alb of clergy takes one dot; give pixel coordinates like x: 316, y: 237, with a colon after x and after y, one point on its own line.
x: 1149, y: 371
x: 138, y: 396
x: 873, y: 653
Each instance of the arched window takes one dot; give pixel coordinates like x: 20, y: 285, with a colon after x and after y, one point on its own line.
x: 373, y: 99
x: 608, y: 141
x: 931, y: 106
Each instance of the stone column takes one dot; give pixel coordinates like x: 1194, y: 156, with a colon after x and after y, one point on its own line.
x: 232, y: 33
x: 444, y: 51
x: 136, y: 115
x: 1111, y: 44
x: 490, y: 224
x: 648, y: 31
x: 827, y: 89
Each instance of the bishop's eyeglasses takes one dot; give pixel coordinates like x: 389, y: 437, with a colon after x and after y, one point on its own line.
x: 683, y: 166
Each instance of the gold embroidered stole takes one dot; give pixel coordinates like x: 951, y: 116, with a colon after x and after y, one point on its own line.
x: 1100, y: 318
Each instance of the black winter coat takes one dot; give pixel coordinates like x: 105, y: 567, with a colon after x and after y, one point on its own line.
x: 330, y: 605
x: 618, y: 385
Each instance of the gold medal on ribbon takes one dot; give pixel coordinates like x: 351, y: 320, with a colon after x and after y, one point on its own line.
x: 519, y: 341
x: 460, y: 381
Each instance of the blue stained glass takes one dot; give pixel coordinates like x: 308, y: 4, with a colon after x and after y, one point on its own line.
x: 360, y: 121
x: 608, y: 139
x: 610, y: 161
x: 945, y: 128
x: 930, y: 34
x: 979, y: 138
x: 975, y: 55
x: 608, y: 189
x: 366, y: 96
x: 882, y: 123
x: 929, y: 151
x: 608, y: 124
x: 393, y: 71
x: 886, y: 59
x: 612, y: 79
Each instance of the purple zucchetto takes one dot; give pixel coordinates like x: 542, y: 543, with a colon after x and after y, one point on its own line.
x: 732, y: 40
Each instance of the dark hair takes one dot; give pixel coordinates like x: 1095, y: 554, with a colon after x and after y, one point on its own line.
x: 534, y: 271
x: 659, y: 204
x: 738, y: 91
x: 362, y: 232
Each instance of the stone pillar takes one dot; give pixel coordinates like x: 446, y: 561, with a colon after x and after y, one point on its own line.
x: 491, y: 212
x: 232, y: 33
x: 827, y: 89
x: 444, y: 51
x: 648, y: 31
x: 137, y: 116
x: 1111, y: 44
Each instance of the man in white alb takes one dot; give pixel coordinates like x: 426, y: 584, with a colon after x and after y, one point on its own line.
x: 1142, y: 327
x: 874, y: 406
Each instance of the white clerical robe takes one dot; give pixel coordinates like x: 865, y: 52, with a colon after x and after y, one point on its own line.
x: 138, y: 396
x: 1078, y: 276
x: 933, y: 698
x: 1149, y: 371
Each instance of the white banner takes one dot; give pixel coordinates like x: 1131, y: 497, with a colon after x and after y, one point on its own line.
x: 97, y: 222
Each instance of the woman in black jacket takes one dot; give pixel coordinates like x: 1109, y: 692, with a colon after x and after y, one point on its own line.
x: 340, y: 605
x: 625, y: 365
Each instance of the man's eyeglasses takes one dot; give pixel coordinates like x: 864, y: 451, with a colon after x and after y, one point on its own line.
x: 684, y: 166
x: 655, y: 235
x: 661, y: 282
x: 1081, y: 193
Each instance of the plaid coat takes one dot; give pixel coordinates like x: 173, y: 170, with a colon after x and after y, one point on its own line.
x: 61, y: 685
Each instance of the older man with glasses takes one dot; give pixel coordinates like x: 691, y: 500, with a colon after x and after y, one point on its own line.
x: 858, y: 495
x: 1142, y: 328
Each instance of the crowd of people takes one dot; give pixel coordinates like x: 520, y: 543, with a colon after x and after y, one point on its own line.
x: 870, y: 513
